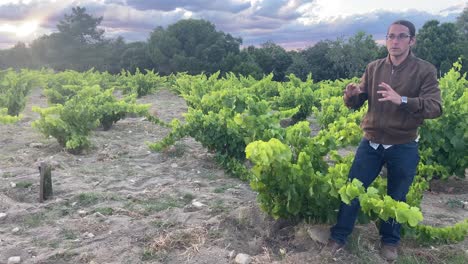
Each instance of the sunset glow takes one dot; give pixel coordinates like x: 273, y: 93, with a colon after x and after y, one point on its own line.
x: 21, y: 30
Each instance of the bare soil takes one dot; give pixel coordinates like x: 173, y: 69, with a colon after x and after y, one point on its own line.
x: 120, y: 203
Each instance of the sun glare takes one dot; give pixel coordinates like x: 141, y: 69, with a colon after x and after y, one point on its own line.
x: 27, y: 28
x: 22, y: 30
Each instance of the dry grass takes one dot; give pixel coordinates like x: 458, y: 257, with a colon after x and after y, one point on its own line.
x: 264, y: 258
x: 189, y: 240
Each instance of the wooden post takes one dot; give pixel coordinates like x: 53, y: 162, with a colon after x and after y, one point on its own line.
x: 45, y: 186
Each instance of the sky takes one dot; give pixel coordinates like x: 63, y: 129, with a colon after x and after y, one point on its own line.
x: 293, y: 24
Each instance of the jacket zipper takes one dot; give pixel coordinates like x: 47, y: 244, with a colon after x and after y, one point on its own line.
x: 381, y: 119
x: 391, y: 77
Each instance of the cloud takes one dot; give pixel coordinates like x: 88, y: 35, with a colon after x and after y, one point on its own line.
x: 224, y: 21
x: 15, y: 12
x: 454, y: 8
x: 122, y: 17
x: 296, y: 35
x: 281, y: 9
x: 190, y: 5
x: 263, y: 18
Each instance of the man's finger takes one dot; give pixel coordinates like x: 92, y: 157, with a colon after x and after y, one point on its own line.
x: 350, y: 86
x: 385, y: 86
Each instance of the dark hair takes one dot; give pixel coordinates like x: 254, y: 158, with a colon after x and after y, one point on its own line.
x: 406, y: 23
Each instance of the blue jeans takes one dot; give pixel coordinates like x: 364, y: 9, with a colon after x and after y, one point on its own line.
x: 402, y: 161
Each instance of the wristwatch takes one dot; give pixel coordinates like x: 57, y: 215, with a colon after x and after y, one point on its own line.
x: 404, y: 100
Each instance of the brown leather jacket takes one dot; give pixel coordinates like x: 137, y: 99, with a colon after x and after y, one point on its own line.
x: 385, y: 122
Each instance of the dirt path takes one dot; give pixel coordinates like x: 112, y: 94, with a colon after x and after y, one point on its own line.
x: 121, y: 203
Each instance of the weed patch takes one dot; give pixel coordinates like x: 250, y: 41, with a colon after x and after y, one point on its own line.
x: 104, y: 210
x: 24, y: 184
x: 223, y: 188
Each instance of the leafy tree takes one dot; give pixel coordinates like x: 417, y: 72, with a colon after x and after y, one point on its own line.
x: 272, y: 58
x: 299, y: 66
x: 242, y: 64
x: 81, y: 27
x: 162, y: 48
x: 439, y: 44
x: 111, y: 51
x: 350, y: 57
x: 135, y: 56
x: 17, y: 57
x: 462, y: 23
x: 3, y: 61
x: 318, y: 61
x: 77, y: 45
x: 382, y: 51
x: 190, y: 45
x: 52, y: 51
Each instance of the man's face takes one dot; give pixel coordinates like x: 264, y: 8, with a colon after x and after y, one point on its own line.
x: 399, y: 40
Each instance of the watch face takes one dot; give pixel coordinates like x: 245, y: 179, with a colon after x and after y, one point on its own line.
x: 404, y: 99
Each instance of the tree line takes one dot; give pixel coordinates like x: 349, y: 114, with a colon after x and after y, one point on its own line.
x: 195, y: 46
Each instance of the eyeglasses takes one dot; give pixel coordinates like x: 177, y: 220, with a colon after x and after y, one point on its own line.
x: 398, y: 37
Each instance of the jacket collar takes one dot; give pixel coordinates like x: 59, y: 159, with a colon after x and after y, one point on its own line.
x: 409, y: 58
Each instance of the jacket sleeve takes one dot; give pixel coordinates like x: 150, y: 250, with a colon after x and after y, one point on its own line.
x: 355, y: 102
x: 429, y: 103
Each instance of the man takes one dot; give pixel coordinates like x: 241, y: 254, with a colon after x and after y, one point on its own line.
x: 401, y: 90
